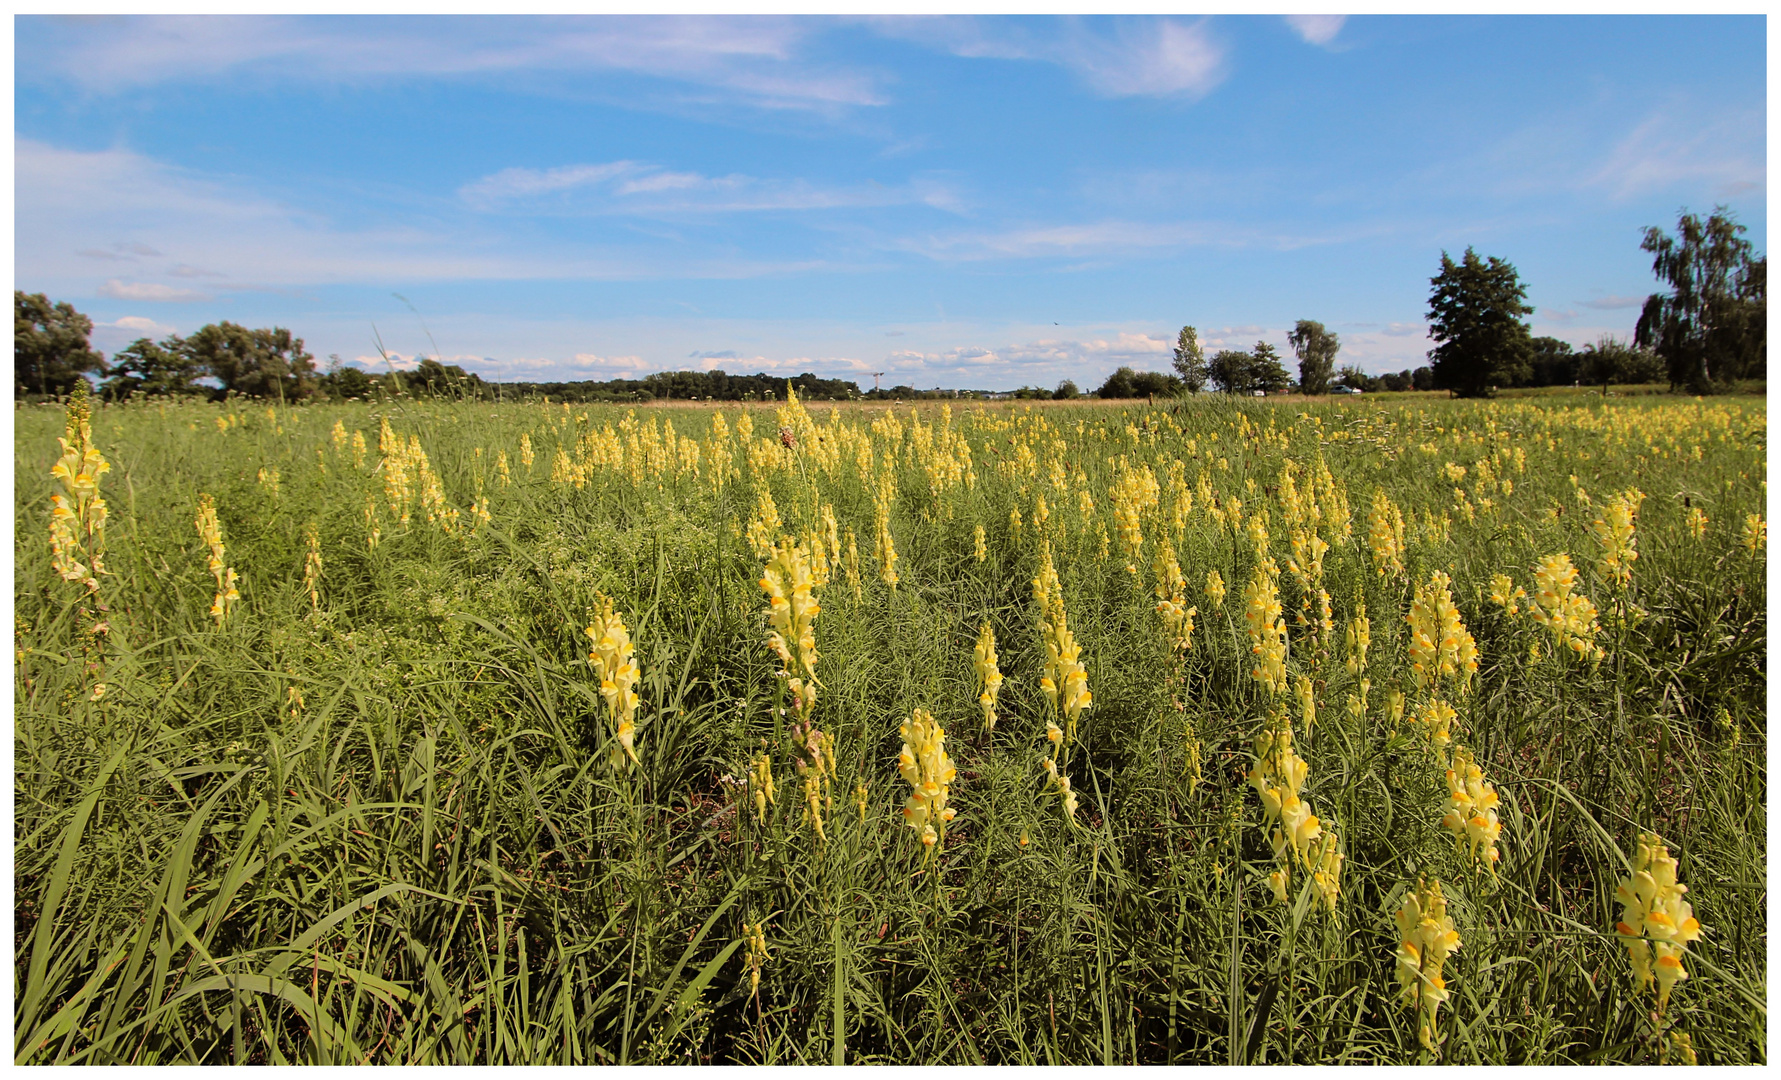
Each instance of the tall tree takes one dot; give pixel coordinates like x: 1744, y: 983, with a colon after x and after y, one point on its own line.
x: 1712, y: 326
x: 1232, y: 371
x: 49, y: 345
x: 1475, y: 315
x: 1266, y: 372
x: 262, y: 363
x: 1316, y: 349
x: 1190, y: 360
x: 155, y: 369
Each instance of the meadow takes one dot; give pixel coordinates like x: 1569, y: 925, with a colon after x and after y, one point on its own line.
x: 1211, y: 731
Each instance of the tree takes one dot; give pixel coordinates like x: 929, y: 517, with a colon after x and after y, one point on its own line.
x: 1316, y: 349
x: 1712, y: 326
x: 157, y: 370
x: 1475, y: 315
x: 1551, y: 362
x: 261, y: 363
x: 344, y: 381
x: 1610, y: 359
x: 1231, y: 370
x: 1266, y: 370
x: 1423, y: 378
x: 49, y: 345
x: 1066, y: 391
x: 1358, y: 379
x: 1190, y: 360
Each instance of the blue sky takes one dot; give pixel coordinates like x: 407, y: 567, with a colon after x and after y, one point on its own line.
x: 975, y: 202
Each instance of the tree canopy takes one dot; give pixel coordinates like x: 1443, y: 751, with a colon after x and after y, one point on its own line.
x: 49, y: 345
x: 1190, y: 360
x: 1475, y: 312
x: 1711, y: 327
x: 1316, y: 349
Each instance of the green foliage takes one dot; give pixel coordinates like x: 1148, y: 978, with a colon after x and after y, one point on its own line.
x: 1611, y: 360
x: 1127, y: 383
x: 1316, y: 349
x: 1475, y: 311
x: 1190, y: 360
x: 1711, y: 329
x: 163, y: 370
x: 49, y: 346
x: 255, y: 363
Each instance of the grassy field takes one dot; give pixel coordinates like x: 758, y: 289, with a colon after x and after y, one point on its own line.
x: 1269, y: 672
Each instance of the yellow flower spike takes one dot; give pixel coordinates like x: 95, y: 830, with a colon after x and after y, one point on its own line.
x: 1756, y: 533
x: 312, y: 566
x: 861, y: 798
x: 1472, y: 810
x: 1506, y: 594
x: 615, y: 664
x: 1569, y: 615
x: 1695, y: 521
x: 925, y: 766
x: 989, y: 676
x: 1358, y: 637
x: 1426, y: 938
x: 211, y: 532
x: 980, y: 545
x: 756, y: 938
x: 760, y: 782
x: 1214, y: 589
x: 78, y: 513
x: 1266, y: 627
x: 1655, y: 922
x: 1614, y: 532
x: 813, y: 803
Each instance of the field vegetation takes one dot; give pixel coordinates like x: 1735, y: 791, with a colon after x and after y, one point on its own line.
x: 1218, y: 731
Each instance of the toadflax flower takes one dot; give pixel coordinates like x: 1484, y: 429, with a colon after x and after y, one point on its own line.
x: 1655, y: 922
x: 1426, y: 938
x: 614, y: 662
x: 924, y: 765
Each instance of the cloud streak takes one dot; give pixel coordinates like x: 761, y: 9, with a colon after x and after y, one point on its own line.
x: 757, y: 61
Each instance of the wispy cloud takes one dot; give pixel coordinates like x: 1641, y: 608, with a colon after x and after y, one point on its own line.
x: 1099, y: 238
x: 72, y: 202
x: 1123, y: 58
x: 630, y: 187
x: 1613, y: 303
x: 1316, y: 29
x: 150, y: 291
x: 758, y: 61
x: 1667, y: 150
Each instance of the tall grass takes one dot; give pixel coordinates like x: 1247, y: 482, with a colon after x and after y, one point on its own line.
x: 390, y: 831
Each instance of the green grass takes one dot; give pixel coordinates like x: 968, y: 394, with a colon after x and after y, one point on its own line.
x: 389, y: 831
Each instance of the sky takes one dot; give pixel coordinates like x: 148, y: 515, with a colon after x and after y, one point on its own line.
x: 973, y: 202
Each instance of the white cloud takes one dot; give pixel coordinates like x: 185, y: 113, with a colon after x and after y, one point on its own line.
x: 1613, y: 303
x: 140, y: 323
x: 70, y: 200
x: 1316, y: 29
x: 1100, y: 238
x: 148, y: 290
x: 757, y: 61
x: 629, y: 187
x: 1665, y: 152
x: 1138, y: 57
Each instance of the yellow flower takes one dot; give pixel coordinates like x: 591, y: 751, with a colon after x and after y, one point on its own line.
x: 1756, y: 533
x: 1696, y: 522
x: 1266, y: 628
x: 760, y: 781
x: 616, y: 666
x: 1505, y: 594
x: 1472, y: 809
x: 1426, y: 938
x: 1214, y: 589
x: 1655, y: 920
x: 1614, y: 531
x: 929, y: 772
x: 1440, y: 646
x: 981, y: 548
x: 211, y: 532
x: 989, y: 676
x: 1568, y: 614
